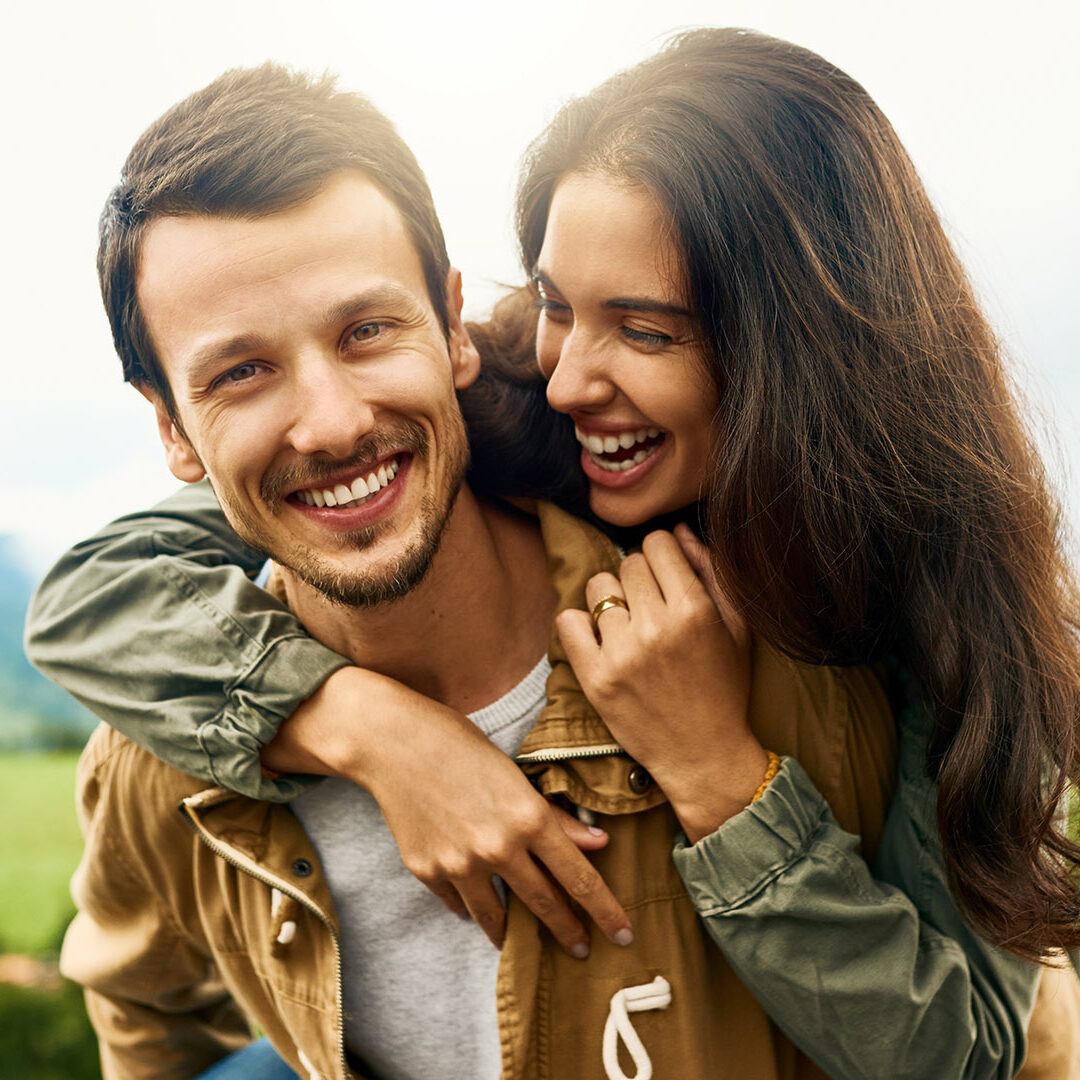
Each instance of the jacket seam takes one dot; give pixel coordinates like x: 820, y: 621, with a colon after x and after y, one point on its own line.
x: 766, y: 878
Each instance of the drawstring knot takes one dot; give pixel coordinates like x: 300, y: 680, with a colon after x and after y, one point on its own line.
x: 654, y: 995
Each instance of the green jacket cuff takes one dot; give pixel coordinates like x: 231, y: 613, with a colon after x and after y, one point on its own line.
x: 732, y: 864
x: 258, y: 700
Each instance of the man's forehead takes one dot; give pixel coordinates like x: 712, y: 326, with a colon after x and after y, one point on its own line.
x: 201, y: 276
x: 347, y: 211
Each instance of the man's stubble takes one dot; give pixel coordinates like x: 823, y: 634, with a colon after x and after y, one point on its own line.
x: 363, y: 588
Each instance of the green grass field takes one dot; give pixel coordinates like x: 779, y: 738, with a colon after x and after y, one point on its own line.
x: 40, y: 847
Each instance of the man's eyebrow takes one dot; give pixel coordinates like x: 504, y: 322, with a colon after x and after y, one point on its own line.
x: 645, y: 304
x: 370, y: 300
x: 206, y: 359
x: 211, y: 356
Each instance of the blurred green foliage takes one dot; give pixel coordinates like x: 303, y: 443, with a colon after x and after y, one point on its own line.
x: 45, y: 1035
x: 40, y: 847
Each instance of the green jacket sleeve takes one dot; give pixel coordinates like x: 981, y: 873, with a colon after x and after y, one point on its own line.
x: 871, y: 975
x: 155, y: 626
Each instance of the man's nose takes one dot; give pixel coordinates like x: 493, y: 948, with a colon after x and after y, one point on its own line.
x: 580, y: 378
x: 331, y: 413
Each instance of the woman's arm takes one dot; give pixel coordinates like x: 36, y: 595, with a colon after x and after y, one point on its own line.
x: 155, y: 625
x: 871, y: 973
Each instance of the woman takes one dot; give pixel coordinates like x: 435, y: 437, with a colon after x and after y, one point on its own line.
x: 806, y: 476
x: 870, y: 490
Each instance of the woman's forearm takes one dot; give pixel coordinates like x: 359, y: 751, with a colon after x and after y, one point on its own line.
x: 155, y: 625
x: 869, y: 975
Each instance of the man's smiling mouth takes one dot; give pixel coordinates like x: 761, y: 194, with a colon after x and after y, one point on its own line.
x: 359, y: 491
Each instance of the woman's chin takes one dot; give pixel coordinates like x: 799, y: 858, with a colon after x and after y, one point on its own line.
x: 624, y: 509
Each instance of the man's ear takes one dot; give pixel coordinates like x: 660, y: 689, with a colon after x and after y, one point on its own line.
x: 464, y: 357
x: 183, y: 462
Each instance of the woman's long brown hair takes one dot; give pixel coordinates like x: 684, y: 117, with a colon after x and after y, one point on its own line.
x: 873, y: 491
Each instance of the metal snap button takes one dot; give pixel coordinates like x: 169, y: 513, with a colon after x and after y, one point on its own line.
x: 302, y: 868
x: 639, y: 779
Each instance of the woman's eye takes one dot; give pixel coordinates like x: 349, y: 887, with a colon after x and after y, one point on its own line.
x: 551, y: 308
x: 642, y: 337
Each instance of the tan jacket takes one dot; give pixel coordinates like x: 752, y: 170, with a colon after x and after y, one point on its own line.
x: 187, y: 918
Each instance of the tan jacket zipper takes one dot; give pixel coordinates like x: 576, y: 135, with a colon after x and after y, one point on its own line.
x: 568, y: 753
x: 252, y: 869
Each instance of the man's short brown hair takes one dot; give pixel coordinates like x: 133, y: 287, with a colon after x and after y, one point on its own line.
x: 253, y: 142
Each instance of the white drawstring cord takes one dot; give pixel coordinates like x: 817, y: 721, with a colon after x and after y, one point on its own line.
x: 654, y: 995
x: 312, y: 1074
x: 288, y: 927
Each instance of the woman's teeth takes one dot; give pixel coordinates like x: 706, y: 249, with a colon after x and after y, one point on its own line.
x: 601, y: 448
x: 359, y: 491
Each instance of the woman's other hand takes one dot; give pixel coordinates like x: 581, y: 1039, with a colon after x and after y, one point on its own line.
x: 459, y: 809
x: 670, y: 675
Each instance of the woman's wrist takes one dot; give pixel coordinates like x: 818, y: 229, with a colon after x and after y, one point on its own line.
x: 711, y: 791
x: 337, y: 731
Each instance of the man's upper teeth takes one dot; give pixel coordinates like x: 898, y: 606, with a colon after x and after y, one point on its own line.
x: 360, y: 488
x: 608, y: 444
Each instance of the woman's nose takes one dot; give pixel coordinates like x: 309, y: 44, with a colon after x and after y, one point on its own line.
x: 577, y: 373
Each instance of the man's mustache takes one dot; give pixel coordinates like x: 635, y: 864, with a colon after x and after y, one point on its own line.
x: 408, y: 435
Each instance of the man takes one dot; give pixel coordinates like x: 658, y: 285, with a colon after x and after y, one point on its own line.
x: 279, y: 292
x: 281, y: 295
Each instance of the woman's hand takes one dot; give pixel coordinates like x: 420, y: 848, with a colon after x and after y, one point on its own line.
x: 670, y: 675
x: 459, y: 809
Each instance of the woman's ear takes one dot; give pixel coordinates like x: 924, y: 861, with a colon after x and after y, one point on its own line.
x: 180, y: 455
x: 464, y: 357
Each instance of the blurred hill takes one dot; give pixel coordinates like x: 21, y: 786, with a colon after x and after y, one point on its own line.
x: 34, y: 714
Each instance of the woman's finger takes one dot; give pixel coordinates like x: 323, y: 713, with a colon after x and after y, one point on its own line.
x: 486, y: 908
x: 450, y: 897
x: 615, y: 612
x: 640, y: 586
x: 675, y: 575
x: 577, y: 632
x: 586, y: 837
x: 697, y: 555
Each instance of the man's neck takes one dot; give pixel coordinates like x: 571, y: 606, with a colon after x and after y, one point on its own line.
x: 470, y: 631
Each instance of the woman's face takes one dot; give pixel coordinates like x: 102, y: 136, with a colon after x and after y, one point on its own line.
x: 617, y: 344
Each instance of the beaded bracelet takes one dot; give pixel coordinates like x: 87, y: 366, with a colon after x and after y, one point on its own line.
x: 770, y: 772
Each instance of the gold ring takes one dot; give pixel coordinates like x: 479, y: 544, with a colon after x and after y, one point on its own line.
x: 605, y: 602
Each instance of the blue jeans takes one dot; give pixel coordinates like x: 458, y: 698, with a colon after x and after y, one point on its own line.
x: 257, y: 1061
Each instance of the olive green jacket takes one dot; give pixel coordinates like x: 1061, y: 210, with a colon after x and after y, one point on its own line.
x: 871, y: 974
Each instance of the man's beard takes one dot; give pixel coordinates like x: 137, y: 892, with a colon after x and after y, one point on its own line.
x: 363, y: 588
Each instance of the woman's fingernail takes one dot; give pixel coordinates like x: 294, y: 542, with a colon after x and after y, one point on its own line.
x: 579, y: 951
x: 596, y: 831
x: 625, y: 936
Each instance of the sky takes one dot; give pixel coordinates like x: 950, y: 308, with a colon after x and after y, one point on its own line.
x: 984, y: 97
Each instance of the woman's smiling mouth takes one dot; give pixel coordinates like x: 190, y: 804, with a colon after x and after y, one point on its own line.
x: 617, y: 452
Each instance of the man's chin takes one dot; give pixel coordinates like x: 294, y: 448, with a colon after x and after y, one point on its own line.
x: 370, y: 586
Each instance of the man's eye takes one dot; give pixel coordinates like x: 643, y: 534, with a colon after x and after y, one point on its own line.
x: 367, y: 331
x: 240, y: 373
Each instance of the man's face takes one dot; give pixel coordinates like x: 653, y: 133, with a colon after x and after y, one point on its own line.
x: 313, y: 384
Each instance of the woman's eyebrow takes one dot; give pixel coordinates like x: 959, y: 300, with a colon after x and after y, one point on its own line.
x: 646, y: 304
x: 540, y: 278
